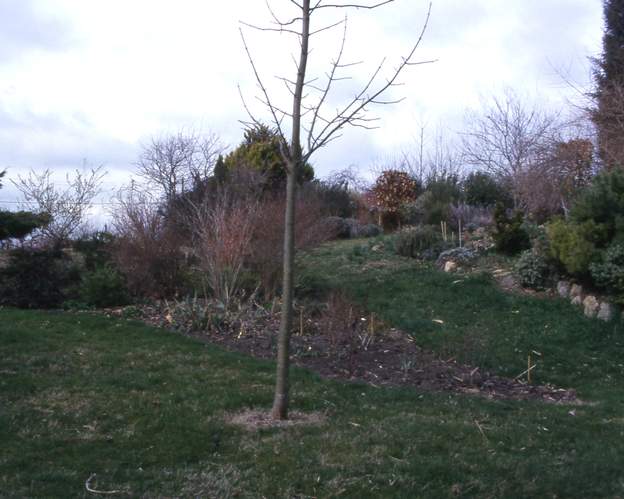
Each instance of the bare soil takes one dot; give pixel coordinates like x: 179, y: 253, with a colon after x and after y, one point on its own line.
x: 348, y: 349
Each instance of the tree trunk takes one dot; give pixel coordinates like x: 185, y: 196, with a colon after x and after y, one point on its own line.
x: 280, y: 402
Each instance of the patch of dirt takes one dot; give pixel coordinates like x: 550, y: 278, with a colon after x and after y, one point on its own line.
x: 340, y: 342
x: 253, y: 420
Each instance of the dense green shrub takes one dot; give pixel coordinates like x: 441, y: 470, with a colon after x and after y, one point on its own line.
x: 609, y: 273
x: 603, y: 204
x: 38, y: 278
x: 533, y: 270
x: 349, y: 228
x: 435, y: 203
x: 335, y: 198
x: 103, y: 287
x: 96, y: 249
x: 482, y: 189
x: 539, y: 238
x: 573, y: 244
x: 366, y: 230
x: 509, y: 237
x: 261, y: 151
x: 423, y: 241
x: 20, y: 224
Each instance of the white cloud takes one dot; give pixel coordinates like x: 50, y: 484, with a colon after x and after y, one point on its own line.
x: 97, y: 77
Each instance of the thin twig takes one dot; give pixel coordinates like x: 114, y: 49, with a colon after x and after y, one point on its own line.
x: 95, y: 491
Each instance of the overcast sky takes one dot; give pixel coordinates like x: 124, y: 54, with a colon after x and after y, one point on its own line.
x: 93, y: 79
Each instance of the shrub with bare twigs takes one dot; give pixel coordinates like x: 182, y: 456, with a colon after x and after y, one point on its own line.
x: 147, y: 249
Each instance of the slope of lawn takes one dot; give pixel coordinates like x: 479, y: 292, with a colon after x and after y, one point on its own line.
x: 147, y: 410
x: 469, y: 318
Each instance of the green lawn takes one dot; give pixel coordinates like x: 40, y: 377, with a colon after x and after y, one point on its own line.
x: 147, y: 410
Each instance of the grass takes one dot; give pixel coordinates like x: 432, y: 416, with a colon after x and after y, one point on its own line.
x: 148, y: 410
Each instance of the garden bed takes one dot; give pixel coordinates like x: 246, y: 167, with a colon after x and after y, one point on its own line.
x: 352, y: 350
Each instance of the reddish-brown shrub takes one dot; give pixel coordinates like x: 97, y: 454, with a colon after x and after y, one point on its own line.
x: 147, y: 249
x: 392, y: 189
x: 223, y: 234
x: 268, y: 237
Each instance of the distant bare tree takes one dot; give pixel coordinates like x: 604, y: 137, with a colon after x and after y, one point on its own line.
x: 508, y: 136
x: 314, y: 121
x: 433, y: 157
x: 550, y: 185
x: 178, y: 162
x: 68, y: 207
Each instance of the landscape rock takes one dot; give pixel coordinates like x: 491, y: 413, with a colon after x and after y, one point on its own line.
x: 576, y: 290
x: 563, y: 288
x: 577, y: 300
x: 460, y: 256
x: 507, y: 282
x: 450, y: 266
x: 591, y: 305
x: 606, y: 312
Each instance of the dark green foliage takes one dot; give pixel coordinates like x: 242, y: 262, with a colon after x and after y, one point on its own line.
x: 261, y: 150
x: 103, y: 287
x: 335, y: 198
x: 434, y: 204
x: 510, y: 237
x: 574, y: 244
x: 20, y: 224
x: 533, y: 270
x: 611, y: 65
x: 602, y: 203
x: 609, y: 76
x: 609, y: 272
x: 482, y: 189
x: 539, y: 238
x: 38, y: 278
x: 96, y: 249
x: 220, y: 170
x: 423, y: 241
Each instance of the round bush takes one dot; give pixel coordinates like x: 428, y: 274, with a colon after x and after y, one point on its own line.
x: 424, y: 241
x: 533, y: 270
x: 609, y: 273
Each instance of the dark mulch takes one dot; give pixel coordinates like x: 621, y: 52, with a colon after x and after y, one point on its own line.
x: 387, y: 357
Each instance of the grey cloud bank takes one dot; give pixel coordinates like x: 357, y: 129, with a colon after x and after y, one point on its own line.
x: 92, y: 79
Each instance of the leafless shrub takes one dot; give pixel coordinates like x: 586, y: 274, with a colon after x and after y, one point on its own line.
x: 268, y: 239
x: 223, y: 235
x: 178, y: 162
x: 68, y: 207
x: 508, y: 136
x: 147, y: 249
x: 549, y: 185
x: 467, y: 215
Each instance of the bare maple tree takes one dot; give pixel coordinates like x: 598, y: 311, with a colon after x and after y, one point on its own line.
x: 313, y: 122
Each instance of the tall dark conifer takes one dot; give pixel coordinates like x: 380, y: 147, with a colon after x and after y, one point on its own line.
x: 609, y: 75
